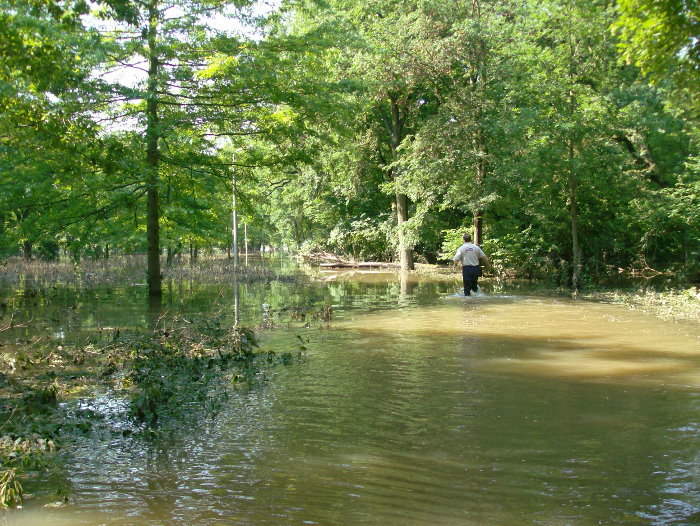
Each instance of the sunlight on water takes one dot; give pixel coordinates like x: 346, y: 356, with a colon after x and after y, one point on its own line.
x: 556, y: 337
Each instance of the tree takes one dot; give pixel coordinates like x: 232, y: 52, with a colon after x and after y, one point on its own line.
x: 661, y: 37
x: 174, y: 42
x: 453, y: 160
x: 47, y: 135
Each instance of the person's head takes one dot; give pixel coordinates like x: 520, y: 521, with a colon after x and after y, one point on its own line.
x: 467, y: 238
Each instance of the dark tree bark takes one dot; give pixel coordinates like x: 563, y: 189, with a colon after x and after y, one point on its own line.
x: 152, y: 136
x: 27, y: 250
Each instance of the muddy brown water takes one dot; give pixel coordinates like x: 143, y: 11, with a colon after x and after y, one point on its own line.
x: 415, y: 407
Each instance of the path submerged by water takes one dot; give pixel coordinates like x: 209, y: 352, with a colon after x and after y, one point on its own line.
x: 416, y: 409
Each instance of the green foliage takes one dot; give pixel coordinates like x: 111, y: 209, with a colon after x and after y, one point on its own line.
x: 507, y: 112
x: 10, y: 488
x: 172, y: 369
x: 364, y: 238
x: 29, y: 441
x: 452, y: 240
x: 524, y: 254
x: 662, y: 39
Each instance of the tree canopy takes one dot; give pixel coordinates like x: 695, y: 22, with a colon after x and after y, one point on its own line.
x: 562, y: 133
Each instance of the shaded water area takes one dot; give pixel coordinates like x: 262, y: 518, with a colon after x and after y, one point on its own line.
x: 413, y: 407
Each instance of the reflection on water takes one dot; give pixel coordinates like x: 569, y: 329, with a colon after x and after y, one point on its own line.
x: 419, y: 408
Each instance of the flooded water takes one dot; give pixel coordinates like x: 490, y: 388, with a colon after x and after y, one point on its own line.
x: 416, y: 407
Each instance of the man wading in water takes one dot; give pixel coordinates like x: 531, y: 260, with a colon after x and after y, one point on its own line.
x: 469, y: 255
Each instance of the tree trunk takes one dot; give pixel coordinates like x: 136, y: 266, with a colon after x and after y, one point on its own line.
x: 571, y: 172
x: 152, y: 136
x: 234, y: 215
x: 236, y: 302
x: 478, y: 224
x: 478, y: 213
x: 573, y: 211
x: 405, y: 252
x: 27, y: 250
x: 478, y: 139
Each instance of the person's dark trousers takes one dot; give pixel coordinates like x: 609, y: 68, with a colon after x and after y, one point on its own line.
x: 470, y: 275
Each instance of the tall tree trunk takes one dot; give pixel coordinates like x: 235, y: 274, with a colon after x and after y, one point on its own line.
x: 234, y: 214
x: 573, y: 211
x: 397, y: 122
x: 571, y: 172
x: 478, y: 139
x: 405, y: 253
x: 478, y: 223
x: 152, y: 135
x: 236, y: 302
x: 478, y: 213
x: 245, y: 241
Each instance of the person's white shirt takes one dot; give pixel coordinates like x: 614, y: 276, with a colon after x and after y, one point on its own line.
x: 469, y: 254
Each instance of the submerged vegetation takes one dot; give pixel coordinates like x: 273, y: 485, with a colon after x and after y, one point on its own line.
x: 677, y: 304
x: 182, y: 369
x: 128, y: 270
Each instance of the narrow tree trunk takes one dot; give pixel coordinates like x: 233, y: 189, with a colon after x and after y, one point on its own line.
x: 405, y: 252
x: 152, y: 135
x: 478, y: 213
x: 245, y: 241
x: 236, y: 302
x: 573, y: 211
x: 478, y: 223
x: 234, y: 216
x: 478, y: 139
x: 27, y: 250
x: 571, y: 175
